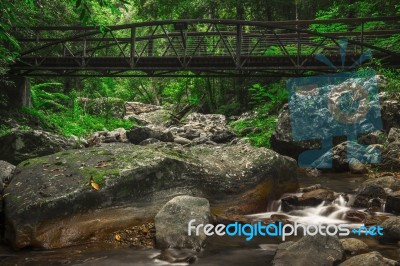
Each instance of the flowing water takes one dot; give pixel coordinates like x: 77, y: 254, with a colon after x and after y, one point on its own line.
x: 219, y: 250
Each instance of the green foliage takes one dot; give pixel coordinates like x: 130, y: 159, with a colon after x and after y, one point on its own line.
x: 41, y: 99
x: 268, y: 100
x: 65, y: 114
x: 259, y: 129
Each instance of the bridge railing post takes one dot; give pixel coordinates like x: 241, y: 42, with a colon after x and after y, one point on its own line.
x: 239, y: 39
x: 133, y: 48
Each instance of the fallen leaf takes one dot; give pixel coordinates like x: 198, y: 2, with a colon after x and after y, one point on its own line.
x: 95, y: 185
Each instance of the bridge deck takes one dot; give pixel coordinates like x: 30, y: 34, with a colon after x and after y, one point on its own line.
x: 204, y: 47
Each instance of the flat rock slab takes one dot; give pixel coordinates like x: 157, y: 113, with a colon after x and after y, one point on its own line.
x: 51, y: 202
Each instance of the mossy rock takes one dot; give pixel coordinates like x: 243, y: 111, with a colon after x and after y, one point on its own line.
x: 52, y: 201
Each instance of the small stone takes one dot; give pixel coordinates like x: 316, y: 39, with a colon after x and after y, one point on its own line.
x: 354, y: 246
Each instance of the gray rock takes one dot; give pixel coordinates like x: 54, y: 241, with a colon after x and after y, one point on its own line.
x: 376, y: 137
x: 391, y: 230
x: 392, y: 204
x: 223, y: 136
x: 282, y: 142
x: 367, y: 194
x: 149, y: 141
x: 356, y: 167
x: 339, y: 155
x: 177, y: 256
x: 18, y: 146
x: 354, y: 246
x: 311, y: 198
x: 181, y: 140
x: 50, y: 197
x: 391, y: 157
x: 172, y: 223
x: 390, y: 111
x: 137, y: 134
x: 389, y: 182
x: 394, y: 135
x: 310, y: 251
x: 116, y: 135
x: 370, y: 259
x: 6, y: 173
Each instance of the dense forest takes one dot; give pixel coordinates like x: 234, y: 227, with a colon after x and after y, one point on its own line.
x: 54, y: 100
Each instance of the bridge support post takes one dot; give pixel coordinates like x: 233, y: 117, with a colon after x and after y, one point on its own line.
x: 18, y: 92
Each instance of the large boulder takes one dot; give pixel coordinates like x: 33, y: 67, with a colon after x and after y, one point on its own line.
x: 369, y: 259
x: 391, y: 157
x: 368, y: 195
x: 310, y: 251
x: 80, y: 195
x: 282, y: 141
x: 18, y: 146
x: 390, y: 111
x: 137, y: 134
x: 392, y: 204
x: 391, y: 230
x: 173, y: 219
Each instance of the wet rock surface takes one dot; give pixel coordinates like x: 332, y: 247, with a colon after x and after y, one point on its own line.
x: 354, y: 246
x: 310, y: 250
x: 391, y: 229
x: 172, y: 223
x: 369, y: 259
x: 53, y: 201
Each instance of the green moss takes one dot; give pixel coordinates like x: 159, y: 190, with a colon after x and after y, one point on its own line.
x: 98, y: 175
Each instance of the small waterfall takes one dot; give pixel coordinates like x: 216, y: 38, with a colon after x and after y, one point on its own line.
x: 326, y: 212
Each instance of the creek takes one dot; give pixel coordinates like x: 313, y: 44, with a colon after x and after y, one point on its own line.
x: 223, y: 250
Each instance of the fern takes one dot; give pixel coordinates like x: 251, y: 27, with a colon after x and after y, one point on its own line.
x: 41, y: 99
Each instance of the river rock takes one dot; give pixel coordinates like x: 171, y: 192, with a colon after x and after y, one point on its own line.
x: 311, y: 198
x: 186, y: 256
x: 369, y: 259
x: 18, y: 146
x: 386, y: 182
x: 137, y: 134
x: 391, y: 157
x: 52, y: 204
x: 376, y: 137
x: 391, y: 230
x: 138, y: 108
x: 310, y: 251
x: 356, y: 167
x: 354, y: 246
x: 390, y: 112
x: 340, y: 157
x: 394, y: 135
x: 355, y: 216
x: 172, y: 223
x: 282, y: 142
x: 182, y: 141
x: 6, y: 173
x: 116, y: 135
x: 393, y: 203
x: 367, y: 194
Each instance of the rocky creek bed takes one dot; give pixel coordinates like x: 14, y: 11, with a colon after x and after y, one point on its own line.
x: 102, y: 204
